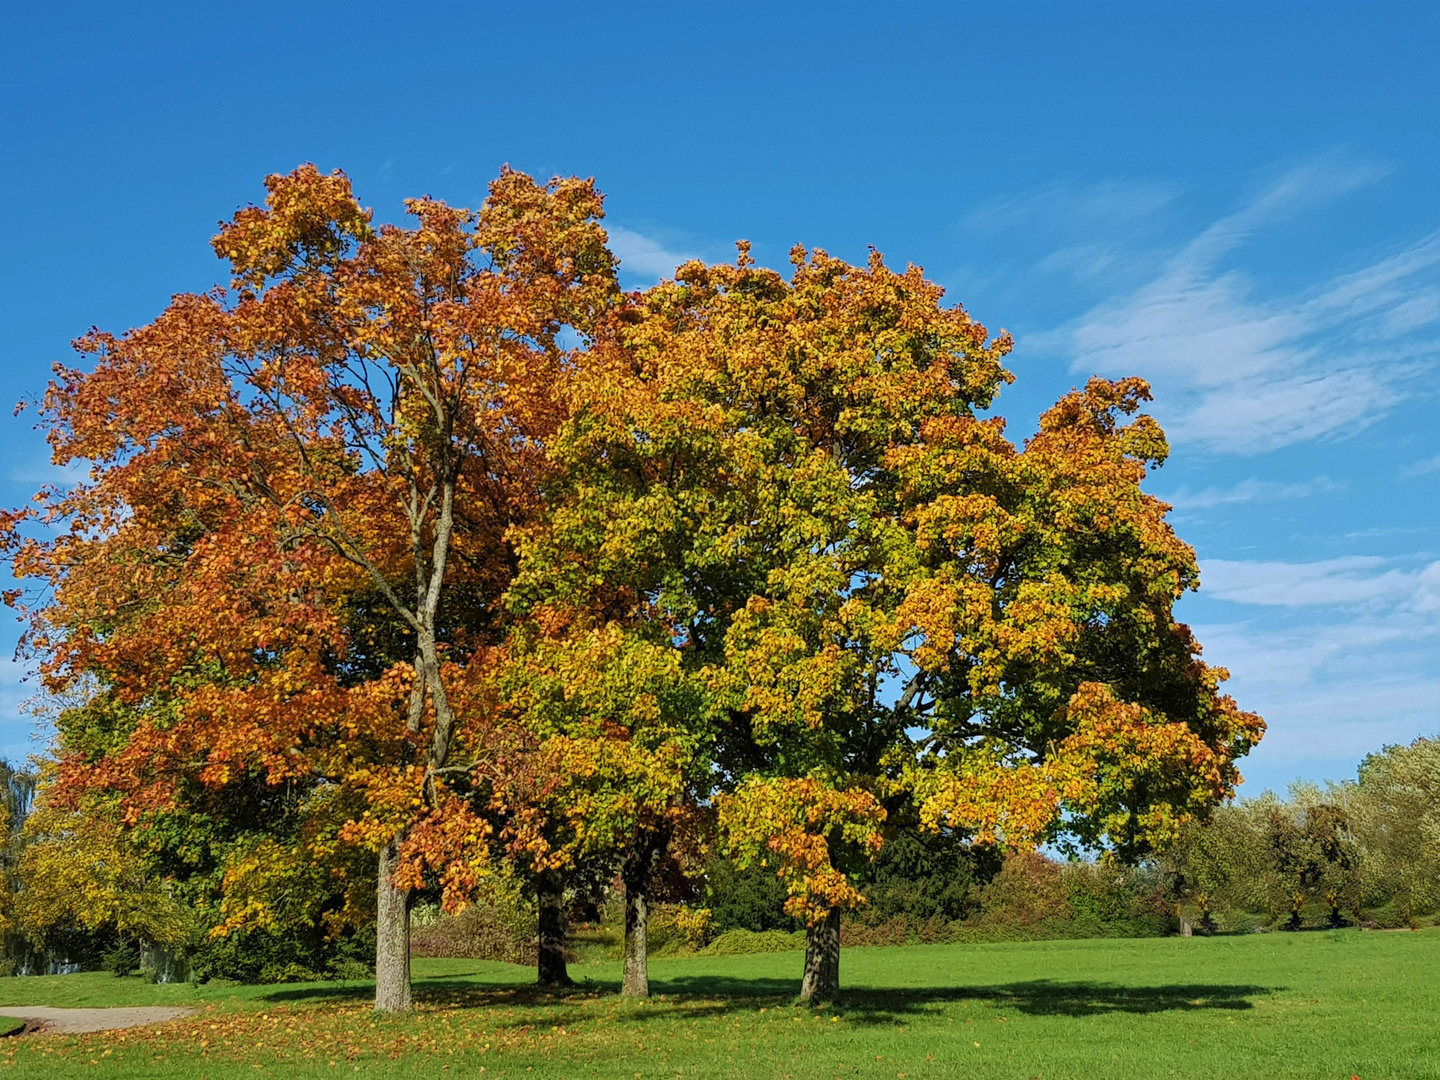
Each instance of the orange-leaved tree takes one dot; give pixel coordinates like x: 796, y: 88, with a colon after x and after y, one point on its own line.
x: 293, y: 532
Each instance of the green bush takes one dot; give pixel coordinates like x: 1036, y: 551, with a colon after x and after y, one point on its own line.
x: 122, y: 958
x: 259, y: 957
x: 752, y: 899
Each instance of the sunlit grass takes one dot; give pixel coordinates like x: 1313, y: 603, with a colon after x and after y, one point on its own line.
x: 1275, y: 1005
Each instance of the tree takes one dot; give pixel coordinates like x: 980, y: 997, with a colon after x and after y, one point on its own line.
x: 1394, y: 812
x: 1215, y: 865
x: 17, y: 793
x: 76, y: 871
x: 621, y: 727
x: 293, y: 535
x: 826, y: 516
x: 719, y: 483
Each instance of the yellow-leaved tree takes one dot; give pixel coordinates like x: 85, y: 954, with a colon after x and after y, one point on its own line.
x: 894, y: 611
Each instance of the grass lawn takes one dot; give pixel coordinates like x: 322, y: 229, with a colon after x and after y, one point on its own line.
x: 1335, y: 1004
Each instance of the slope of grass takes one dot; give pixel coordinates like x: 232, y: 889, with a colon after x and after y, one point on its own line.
x: 1273, y: 1006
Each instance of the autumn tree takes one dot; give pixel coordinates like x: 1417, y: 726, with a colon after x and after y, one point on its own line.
x: 622, y: 730
x: 828, y: 528
x: 78, y: 872
x: 711, y: 497
x: 291, y: 547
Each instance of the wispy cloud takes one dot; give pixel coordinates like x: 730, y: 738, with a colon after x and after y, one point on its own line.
x: 1353, y: 579
x: 1079, y: 209
x: 643, y: 256
x: 1091, y: 230
x: 42, y: 471
x: 1422, y: 468
x: 1239, y: 372
x: 1339, y: 655
x: 1249, y: 491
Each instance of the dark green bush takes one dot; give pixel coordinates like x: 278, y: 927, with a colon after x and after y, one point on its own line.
x: 752, y: 899
x: 122, y: 958
x: 259, y: 957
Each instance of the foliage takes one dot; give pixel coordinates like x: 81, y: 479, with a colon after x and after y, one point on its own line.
x: 1393, y: 811
x: 415, y: 539
x: 1362, y: 851
x: 923, y: 876
x: 79, y: 872
x: 121, y: 959
x: 17, y: 791
x: 288, y: 557
x: 751, y: 898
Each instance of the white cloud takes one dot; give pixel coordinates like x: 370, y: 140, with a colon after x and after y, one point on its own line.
x: 1248, y: 491
x: 1421, y: 468
x: 642, y: 256
x: 1243, y: 373
x: 42, y: 471
x: 1072, y: 208
x: 1353, y: 579
x: 1339, y: 655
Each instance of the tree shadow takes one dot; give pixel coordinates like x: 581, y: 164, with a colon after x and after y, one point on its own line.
x: 1038, y: 997
x: 704, y: 995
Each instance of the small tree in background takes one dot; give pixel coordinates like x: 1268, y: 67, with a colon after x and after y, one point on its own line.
x: 1394, y: 813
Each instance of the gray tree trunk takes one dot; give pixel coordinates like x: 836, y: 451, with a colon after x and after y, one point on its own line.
x: 822, y: 959
x: 392, y: 937
x: 550, y: 900
x: 636, y: 982
x: 637, y: 873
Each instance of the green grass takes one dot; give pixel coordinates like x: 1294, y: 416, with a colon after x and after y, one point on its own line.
x: 1274, y: 1006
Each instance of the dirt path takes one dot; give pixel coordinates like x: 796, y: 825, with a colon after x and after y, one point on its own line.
x: 74, y: 1021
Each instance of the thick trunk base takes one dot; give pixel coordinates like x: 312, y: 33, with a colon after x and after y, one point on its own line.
x: 392, y: 937
x: 553, y: 929
x: 822, y: 959
x: 1186, y: 930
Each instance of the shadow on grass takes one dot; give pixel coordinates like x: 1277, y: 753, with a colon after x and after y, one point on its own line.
x: 697, y: 996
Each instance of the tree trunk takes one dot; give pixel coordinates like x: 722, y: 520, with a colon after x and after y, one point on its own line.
x: 637, y: 873
x: 392, y: 937
x: 1185, y: 928
x: 636, y: 982
x: 822, y: 959
x: 550, y: 899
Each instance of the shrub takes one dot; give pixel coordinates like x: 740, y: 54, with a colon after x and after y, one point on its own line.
x: 752, y: 899
x: 477, y: 933
x: 697, y: 925
x: 257, y: 956
x: 122, y: 958
x: 1028, y: 890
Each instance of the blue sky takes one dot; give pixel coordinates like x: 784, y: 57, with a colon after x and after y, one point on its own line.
x: 1238, y: 202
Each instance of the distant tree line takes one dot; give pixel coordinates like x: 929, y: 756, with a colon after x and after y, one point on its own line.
x: 1364, y: 852
x: 1359, y: 853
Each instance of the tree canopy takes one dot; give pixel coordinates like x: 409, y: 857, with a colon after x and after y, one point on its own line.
x: 435, y: 540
